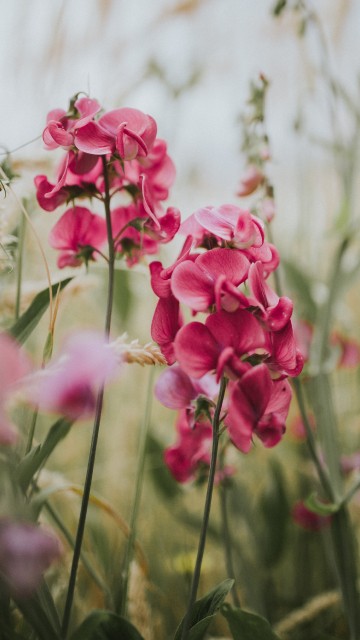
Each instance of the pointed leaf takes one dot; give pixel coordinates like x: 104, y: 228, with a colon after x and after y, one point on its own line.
x: 105, y: 625
x: 35, y: 459
x: 27, y: 322
x: 204, y: 610
x: 247, y: 626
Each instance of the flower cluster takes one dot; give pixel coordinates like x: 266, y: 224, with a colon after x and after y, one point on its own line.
x: 245, y: 334
x: 139, y: 174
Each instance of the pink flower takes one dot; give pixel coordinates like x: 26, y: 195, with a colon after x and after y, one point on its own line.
x: 257, y: 405
x: 250, y: 181
x: 76, y: 235
x: 307, y: 519
x: 220, y: 344
x: 211, y: 277
x: 26, y: 551
x: 191, y: 451
x: 166, y: 322
x: 176, y: 390
x: 60, y: 128
x: 128, y: 131
x: 274, y: 311
x: 285, y: 358
x: 13, y: 367
x: 69, y: 386
x: 350, y: 351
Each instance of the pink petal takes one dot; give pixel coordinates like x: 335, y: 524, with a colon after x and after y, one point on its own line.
x: 165, y: 324
x: 238, y: 329
x: 196, y: 349
x: 193, y: 286
x: 174, y: 388
x: 93, y: 139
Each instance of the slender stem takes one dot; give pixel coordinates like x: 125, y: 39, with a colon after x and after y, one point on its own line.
x: 32, y: 430
x: 207, y: 506
x: 97, y: 419
x: 223, y: 491
x: 20, y: 254
x: 137, y: 495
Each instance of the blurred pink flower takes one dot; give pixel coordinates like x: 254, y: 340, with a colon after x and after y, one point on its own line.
x: 26, y: 551
x: 250, y: 181
x: 13, y: 367
x: 69, y: 386
x: 76, y: 235
x: 307, y: 519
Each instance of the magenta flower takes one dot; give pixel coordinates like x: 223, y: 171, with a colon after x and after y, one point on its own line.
x: 274, y: 311
x: 128, y: 131
x: 60, y: 128
x: 69, y: 386
x: 285, y: 358
x: 210, y: 278
x: 191, y: 451
x: 227, y: 222
x: 257, y: 405
x: 77, y: 234
x: 26, y: 551
x: 166, y: 322
x: 220, y: 344
x: 13, y: 367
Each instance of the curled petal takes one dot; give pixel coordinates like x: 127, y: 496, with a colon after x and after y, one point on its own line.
x: 93, y: 139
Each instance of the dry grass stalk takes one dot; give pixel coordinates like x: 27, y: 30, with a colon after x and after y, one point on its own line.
x: 131, y: 352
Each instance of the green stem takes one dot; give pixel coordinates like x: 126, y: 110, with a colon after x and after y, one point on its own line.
x: 97, y: 419
x: 223, y: 491
x: 202, y: 539
x: 20, y: 255
x: 31, y: 431
x: 137, y: 495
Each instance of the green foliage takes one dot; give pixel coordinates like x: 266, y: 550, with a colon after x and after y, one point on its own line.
x: 160, y: 474
x: 205, y: 610
x: 279, y: 7
x: 37, y: 457
x: 105, y: 625
x: 274, y: 509
x: 247, y: 626
x: 123, y: 297
x: 300, y: 284
x: 39, y: 611
x: 28, y: 321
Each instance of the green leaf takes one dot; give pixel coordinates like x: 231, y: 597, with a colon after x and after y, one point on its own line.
x: 27, y: 322
x: 321, y: 508
x: 247, y: 626
x: 105, y: 625
x: 204, y: 611
x: 35, y: 615
x: 279, y: 7
x: 300, y: 283
x: 274, y: 516
x: 37, y: 457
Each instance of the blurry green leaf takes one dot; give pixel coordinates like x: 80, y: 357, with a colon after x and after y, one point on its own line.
x: 300, y: 284
x: 161, y: 476
x: 279, y: 7
x: 122, y: 294
x: 274, y: 513
x: 247, y: 626
x: 105, y: 625
x: 33, y: 461
x: 27, y: 322
x: 204, y: 610
x: 321, y: 508
x: 35, y: 614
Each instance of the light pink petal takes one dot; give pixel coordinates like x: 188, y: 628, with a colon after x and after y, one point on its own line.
x: 196, y: 349
x: 250, y: 181
x: 210, y: 220
x: 57, y: 132
x: 93, y: 139
x: 174, y: 389
x: 87, y: 107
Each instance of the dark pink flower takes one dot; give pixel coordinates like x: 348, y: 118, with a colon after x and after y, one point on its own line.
x: 257, y: 405
x: 212, y: 277
x: 220, y: 344
x: 191, y: 451
x: 161, y: 277
x: 307, y: 519
x: 13, y: 367
x: 69, y: 386
x: 166, y: 322
x: 26, y: 551
x: 285, y: 358
x: 76, y: 235
x: 274, y: 311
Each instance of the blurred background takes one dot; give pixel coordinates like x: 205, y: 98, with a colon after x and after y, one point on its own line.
x: 189, y: 64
